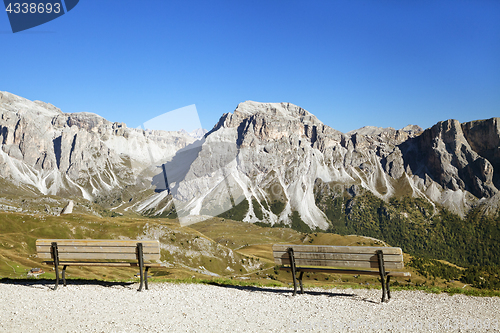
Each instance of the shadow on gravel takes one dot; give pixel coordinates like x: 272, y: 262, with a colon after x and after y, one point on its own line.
x: 281, y: 291
x: 36, y: 283
x: 370, y: 301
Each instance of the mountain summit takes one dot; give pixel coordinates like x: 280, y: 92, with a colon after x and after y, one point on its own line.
x: 79, y: 154
x: 274, y: 163
x: 273, y: 160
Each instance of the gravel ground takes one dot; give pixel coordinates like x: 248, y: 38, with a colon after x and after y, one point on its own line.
x: 34, y: 306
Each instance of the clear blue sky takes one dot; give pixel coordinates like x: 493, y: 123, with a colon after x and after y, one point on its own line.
x: 351, y: 63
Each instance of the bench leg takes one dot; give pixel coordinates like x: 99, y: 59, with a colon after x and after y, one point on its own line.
x: 141, y: 264
x: 142, y: 280
x: 64, y: 275
x: 381, y: 267
x: 383, y: 289
x: 292, y: 264
x: 57, y: 276
x: 55, y: 257
x: 388, y: 289
x: 294, y: 284
x: 146, y: 277
x: 300, y: 282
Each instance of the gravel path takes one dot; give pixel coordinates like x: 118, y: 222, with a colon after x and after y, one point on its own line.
x: 165, y: 307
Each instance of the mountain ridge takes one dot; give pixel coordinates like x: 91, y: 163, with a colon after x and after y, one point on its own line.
x: 373, y: 162
x: 265, y: 158
x: 75, y: 153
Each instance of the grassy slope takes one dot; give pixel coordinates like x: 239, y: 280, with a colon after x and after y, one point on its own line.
x: 213, y: 245
x: 256, y: 241
x: 182, y: 247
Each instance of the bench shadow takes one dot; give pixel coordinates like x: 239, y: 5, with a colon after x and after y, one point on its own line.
x: 281, y: 291
x: 289, y: 292
x: 36, y: 283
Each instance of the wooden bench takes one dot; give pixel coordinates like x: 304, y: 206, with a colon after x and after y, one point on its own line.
x: 341, y: 260
x: 92, y: 252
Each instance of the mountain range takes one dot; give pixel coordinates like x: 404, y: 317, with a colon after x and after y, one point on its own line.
x: 270, y: 163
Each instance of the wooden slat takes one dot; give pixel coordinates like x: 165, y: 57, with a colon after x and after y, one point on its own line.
x: 97, y: 242
x: 332, y: 271
x: 93, y: 263
x: 345, y: 271
x: 338, y: 263
x: 97, y: 256
x: 98, y: 249
x: 340, y: 256
x: 337, y: 249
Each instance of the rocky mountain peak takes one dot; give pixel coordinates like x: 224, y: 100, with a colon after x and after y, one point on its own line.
x: 280, y: 154
x: 257, y: 123
x: 409, y: 130
x: 412, y: 128
x: 16, y: 104
x: 271, y: 162
x: 75, y: 153
x: 445, y: 155
x: 371, y: 130
x: 451, y: 134
x: 279, y: 110
x: 483, y: 137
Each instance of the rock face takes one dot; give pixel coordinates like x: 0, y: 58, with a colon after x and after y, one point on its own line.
x: 266, y: 161
x: 272, y: 154
x: 484, y: 138
x: 68, y: 209
x: 273, y: 158
x: 75, y: 154
x: 443, y: 154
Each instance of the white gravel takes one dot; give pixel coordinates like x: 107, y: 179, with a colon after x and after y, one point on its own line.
x: 32, y: 307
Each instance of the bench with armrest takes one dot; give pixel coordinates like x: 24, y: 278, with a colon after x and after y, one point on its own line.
x: 99, y: 252
x: 341, y: 260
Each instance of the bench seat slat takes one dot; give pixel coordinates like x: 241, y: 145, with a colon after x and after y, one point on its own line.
x: 338, y: 263
x: 101, y: 256
x: 337, y: 249
x: 345, y: 271
x: 340, y: 256
x: 97, y: 249
x: 94, y: 263
x: 99, y: 242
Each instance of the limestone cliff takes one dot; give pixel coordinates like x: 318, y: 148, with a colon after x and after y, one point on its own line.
x: 75, y: 154
x: 271, y: 156
x: 268, y: 161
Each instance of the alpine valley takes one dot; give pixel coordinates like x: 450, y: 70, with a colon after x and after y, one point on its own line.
x: 433, y: 192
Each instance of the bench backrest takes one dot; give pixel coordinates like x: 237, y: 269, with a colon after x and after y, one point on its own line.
x: 338, y: 256
x: 97, y: 249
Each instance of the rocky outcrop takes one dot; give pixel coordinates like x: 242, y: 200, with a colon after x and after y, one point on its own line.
x: 75, y: 154
x: 444, y: 154
x: 68, y: 209
x: 272, y: 155
x: 266, y: 161
x: 484, y: 138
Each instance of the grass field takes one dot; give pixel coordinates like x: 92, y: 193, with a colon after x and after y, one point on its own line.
x: 217, y: 250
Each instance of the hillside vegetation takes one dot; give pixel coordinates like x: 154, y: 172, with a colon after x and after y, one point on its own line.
x: 423, y: 229
x: 217, y: 249
x: 185, y: 251
x: 418, y: 227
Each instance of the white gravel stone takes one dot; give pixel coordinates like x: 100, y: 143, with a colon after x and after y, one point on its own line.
x: 169, y: 307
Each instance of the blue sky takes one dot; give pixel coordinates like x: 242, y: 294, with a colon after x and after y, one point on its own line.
x: 351, y: 63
